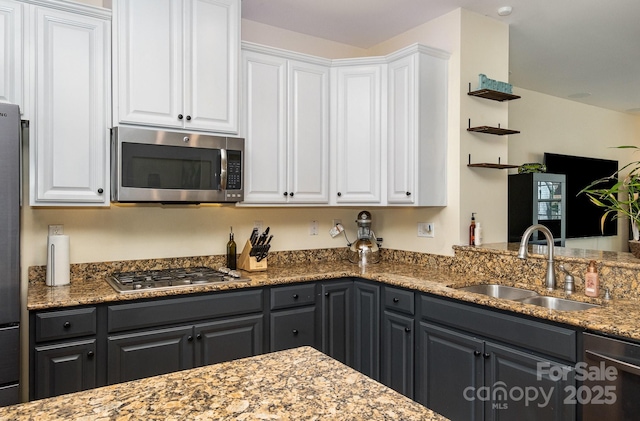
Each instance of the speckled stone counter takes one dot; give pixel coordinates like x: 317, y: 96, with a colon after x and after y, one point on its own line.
x: 297, y: 384
x: 439, y: 275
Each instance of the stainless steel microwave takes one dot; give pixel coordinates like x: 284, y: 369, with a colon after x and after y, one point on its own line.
x: 173, y: 167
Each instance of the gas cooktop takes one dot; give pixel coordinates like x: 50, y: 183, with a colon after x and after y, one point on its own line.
x: 165, y: 279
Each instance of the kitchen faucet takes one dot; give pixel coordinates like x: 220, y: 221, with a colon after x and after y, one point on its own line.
x: 550, y: 278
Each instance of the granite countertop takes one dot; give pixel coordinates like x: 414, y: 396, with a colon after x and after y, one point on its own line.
x: 297, y: 384
x: 617, y: 317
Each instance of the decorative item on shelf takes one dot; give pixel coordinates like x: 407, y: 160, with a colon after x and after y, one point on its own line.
x: 620, y: 196
x: 532, y: 167
x: 486, y: 83
x: 254, y: 254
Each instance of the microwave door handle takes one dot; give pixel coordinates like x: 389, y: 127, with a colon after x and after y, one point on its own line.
x: 622, y: 365
x: 223, y: 169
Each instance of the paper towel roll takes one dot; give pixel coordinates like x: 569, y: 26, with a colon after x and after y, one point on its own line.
x: 58, y: 268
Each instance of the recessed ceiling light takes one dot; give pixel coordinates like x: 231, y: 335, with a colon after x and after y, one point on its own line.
x: 580, y: 95
x: 505, y: 10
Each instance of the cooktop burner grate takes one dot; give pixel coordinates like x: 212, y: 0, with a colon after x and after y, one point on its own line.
x: 172, y: 278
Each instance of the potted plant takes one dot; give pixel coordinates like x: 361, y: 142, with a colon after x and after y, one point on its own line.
x: 619, y: 195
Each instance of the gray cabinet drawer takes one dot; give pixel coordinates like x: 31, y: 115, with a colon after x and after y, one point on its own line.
x: 397, y: 299
x: 293, y: 296
x: 65, y: 324
x: 529, y: 334
x: 122, y: 317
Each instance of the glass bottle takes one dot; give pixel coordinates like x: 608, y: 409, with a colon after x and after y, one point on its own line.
x: 231, y: 252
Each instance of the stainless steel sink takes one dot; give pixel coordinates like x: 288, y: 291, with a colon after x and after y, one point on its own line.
x: 500, y: 291
x: 554, y: 303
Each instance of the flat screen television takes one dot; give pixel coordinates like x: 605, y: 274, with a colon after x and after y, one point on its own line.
x: 583, y: 217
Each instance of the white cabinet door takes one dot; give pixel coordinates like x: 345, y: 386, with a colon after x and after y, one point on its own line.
x: 69, y: 136
x: 402, y: 131
x: 178, y: 63
x: 286, y: 123
x: 149, y: 42
x: 11, y: 50
x: 265, y: 128
x: 417, y: 130
x: 358, y: 133
x: 308, y: 133
x: 211, y: 65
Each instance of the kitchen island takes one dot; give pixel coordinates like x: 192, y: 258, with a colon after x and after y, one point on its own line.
x: 296, y: 384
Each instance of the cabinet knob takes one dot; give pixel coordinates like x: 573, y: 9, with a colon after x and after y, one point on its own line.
x: 408, y: 193
x: 407, y: 329
x: 180, y: 116
x: 326, y: 294
x: 486, y: 355
x: 188, y: 118
x: 295, y: 296
x: 198, y: 336
x: 295, y: 332
x: 100, y: 191
x: 477, y: 353
x: 190, y: 338
x: 339, y: 194
x: 291, y: 194
x: 395, y: 300
x: 90, y: 354
x: 286, y: 194
x: 66, y: 325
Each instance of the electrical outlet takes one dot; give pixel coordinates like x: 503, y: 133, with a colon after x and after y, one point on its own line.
x: 56, y: 229
x: 258, y: 224
x: 336, y: 222
x: 313, y: 227
x: 426, y: 229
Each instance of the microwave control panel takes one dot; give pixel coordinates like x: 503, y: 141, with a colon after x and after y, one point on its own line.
x: 234, y: 170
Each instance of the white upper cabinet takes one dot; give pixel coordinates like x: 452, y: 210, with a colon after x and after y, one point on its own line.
x: 11, y: 50
x: 70, y: 67
x: 417, y: 122
x: 357, y: 128
x: 286, y: 128
x: 177, y: 63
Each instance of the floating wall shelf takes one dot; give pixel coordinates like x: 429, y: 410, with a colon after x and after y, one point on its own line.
x: 497, y: 166
x: 492, y: 95
x: 499, y: 131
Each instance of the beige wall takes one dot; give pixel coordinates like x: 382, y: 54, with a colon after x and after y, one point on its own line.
x: 551, y: 124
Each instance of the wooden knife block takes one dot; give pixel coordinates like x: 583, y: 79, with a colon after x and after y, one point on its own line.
x: 249, y: 263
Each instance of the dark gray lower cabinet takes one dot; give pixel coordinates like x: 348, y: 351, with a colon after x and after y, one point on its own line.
x: 337, y: 321
x: 366, y: 332
x: 474, y: 363
x: 447, y: 364
x: 150, y: 353
x: 397, y: 352
x: 65, y: 368
x: 229, y: 339
x: 293, y: 328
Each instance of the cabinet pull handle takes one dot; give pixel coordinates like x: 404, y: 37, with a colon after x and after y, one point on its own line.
x: 407, y: 329
x: 408, y: 193
x: 198, y: 336
x: 291, y: 194
x: 286, y: 194
x: 486, y: 355
x: 395, y: 300
x: 100, y: 191
x: 326, y: 294
x: 339, y: 194
x: 295, y: 296
x: 190, y: 338
x: 477, y: 353
x: 90, y: 354
x: 66, y: 325
x: 295, y: 332
x: 180, y: 116
x: 188, y: 118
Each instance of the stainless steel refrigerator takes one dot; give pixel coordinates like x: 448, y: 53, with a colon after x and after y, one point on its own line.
x: 10, y: 127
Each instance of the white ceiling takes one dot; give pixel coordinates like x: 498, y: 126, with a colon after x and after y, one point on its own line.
x: 557, y: 47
